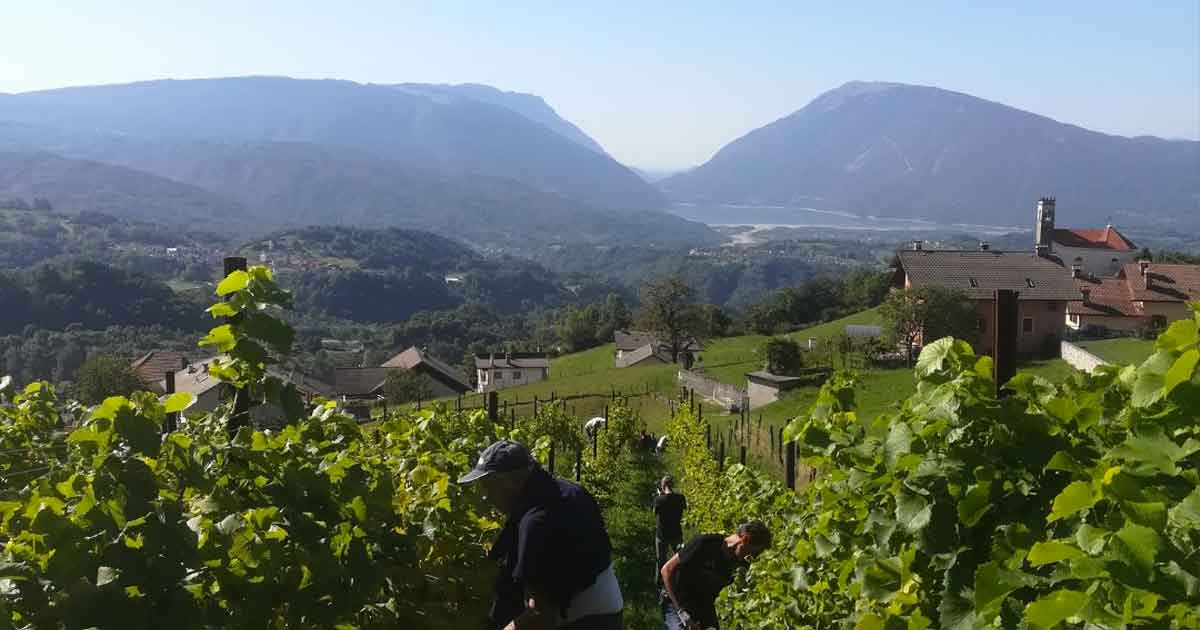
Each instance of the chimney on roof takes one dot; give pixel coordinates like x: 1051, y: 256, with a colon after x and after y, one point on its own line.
x: 492, y: 359
x: 1043, y: 241
x: 984, y: 246
x: 1144, y: 265
x: 917, y: 245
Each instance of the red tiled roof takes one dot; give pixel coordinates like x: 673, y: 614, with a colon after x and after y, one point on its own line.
x: 1109, y: 297
x: 1167, y: 283
x: 1104, y: 238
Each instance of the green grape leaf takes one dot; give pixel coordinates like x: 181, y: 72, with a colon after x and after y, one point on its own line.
x: 222, y: 337
x: 1179, y: 335
x: 912, y: 511
x: 179, y: 401
x: 236, y: 281
x: 975, y: 503
x: 1052, y: 551
x: 1137, y: 546
x: 1154, y: 451
x: 1186, y: 515
x: 107, y: 575
x: 222, y: 309
x: 934, y: 356
x: 1055, y: 608
x: 993, y: 583
x: 1181, y: 371
x: 1074, y: 498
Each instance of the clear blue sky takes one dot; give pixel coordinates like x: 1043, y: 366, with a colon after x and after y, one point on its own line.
x: 659, y: 84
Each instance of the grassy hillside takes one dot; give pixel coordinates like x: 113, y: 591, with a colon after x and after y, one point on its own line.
x: 728, y: 359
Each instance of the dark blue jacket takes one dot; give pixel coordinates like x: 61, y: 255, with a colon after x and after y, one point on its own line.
x: 554, y: 543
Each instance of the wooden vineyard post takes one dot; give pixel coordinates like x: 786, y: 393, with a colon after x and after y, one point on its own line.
x: 780, y: 445
x: 771, y: 430
x: 742, y: 458
x: 170, y: 421
x: 721, y: 456
x: 708, y: 435
x: 790, y: 466
x: 492, y: 409
x: 550, y: 459
x: 579, y: 465
x: 512, y: 417
x: 596, y: 441
x: 241, y: 400
x: 1006, y: 315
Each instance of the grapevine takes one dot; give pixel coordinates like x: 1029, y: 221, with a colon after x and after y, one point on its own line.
x: 1071, y: 504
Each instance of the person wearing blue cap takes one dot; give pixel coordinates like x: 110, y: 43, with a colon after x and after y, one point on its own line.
x: 554, y: 554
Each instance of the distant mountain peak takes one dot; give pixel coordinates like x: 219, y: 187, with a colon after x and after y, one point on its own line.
x: 912, y: 151
x: 530, y: 106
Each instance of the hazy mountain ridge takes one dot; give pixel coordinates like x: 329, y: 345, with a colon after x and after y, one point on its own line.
x: 913, y: 151
x: 237, y: 140
x: 530, y: 106
x: 75, y: 186
x: 457, y: 137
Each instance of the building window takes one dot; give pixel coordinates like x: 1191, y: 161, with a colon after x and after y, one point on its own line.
x: 974, y: 283
x: 1029, y: 283
x: 516, y: 376
x: 483, y: 377
x: 1027, y: 325
x: 981, y: 324
x: 499, y: 375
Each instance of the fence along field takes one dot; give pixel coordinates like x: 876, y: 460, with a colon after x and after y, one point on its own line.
x: 132, y: 521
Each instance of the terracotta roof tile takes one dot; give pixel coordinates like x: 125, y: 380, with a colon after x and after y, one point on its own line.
x: 1108, y: 297
x: 1167, y: 283
x: 1103, y: 238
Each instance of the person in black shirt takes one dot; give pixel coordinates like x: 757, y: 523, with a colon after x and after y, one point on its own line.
x: 554, y: 553
x: 695, y: 576
x: 668, y: 514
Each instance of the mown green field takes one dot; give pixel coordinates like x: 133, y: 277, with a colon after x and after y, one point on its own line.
x: 1124, y: 351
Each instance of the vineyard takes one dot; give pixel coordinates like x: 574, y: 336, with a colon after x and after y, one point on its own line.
x: 1075, y: 503
x: 136, y: 517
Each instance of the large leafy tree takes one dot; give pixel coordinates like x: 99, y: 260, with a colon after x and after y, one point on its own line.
x: 669, y: 310
x: 928, y: 312
x: 102, y: 376
x: 403, y: 386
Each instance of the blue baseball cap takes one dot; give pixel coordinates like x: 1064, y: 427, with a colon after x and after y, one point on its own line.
x: 501, y: 457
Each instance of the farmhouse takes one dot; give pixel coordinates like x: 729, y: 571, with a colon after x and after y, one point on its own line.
x: 1144, y: 295
x: 510, y: 369
x: 642, y: 348
x: 366, y: 383
x: 152, y: 367
x: 1045, y: 288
